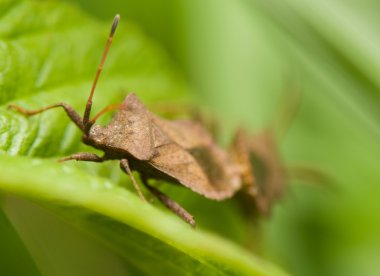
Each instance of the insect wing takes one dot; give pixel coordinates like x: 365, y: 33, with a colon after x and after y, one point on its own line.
x: 188, y: 134
x: 222, y: 173
x: 185, y: 167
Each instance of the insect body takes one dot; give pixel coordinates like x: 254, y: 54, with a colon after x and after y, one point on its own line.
x: 180, y: 152
x: 175, y: 151
x: 264, y: 175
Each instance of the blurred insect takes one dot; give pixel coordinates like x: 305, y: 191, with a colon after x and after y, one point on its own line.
x: 180, y: 152
x: 264, y: 175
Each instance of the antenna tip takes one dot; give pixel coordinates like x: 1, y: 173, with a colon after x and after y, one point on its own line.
x: 114, y: 25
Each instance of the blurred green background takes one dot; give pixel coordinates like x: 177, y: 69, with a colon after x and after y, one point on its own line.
x: 236, y: 55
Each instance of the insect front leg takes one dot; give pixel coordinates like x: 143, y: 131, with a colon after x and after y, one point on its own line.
x: 84, y: 156
x: 124, y: 165
x: 170, y: 204
x: 73, y: 115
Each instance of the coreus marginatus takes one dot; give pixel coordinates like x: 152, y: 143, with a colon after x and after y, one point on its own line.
x: 180, y: 152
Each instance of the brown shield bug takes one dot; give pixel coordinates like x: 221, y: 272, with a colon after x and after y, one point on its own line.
x: 179, y: 152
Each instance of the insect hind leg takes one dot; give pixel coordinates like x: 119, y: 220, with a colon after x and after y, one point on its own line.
x: 170, y: 204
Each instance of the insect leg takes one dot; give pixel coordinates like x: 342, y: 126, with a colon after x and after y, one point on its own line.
x: 170, y: 204
x: 124, y: 165
x: 312, y: 175
x: 83, y: 156
x: 288, y: 108
x: 73, y: 115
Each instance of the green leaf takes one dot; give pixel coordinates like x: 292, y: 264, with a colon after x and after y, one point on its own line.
x: 49, y: 53
x: 125, y: 222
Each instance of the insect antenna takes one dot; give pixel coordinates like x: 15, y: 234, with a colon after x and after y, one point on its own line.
x: 105, y: 110
x: 287, y: 109
x: 86, y: 117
